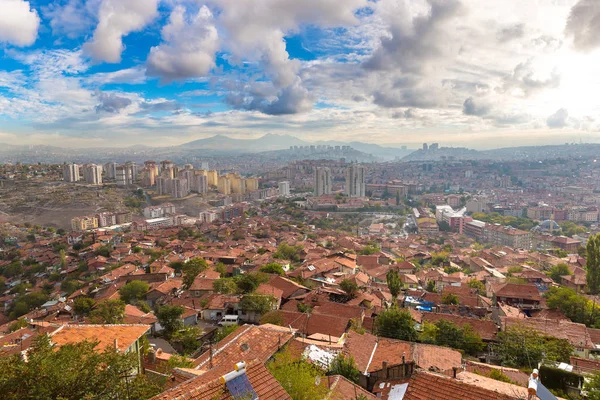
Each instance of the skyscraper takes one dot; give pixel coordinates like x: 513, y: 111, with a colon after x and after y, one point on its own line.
x: 322, y: 181
x: 71, y: 172
x: 92, y: 174
x: 355, y: 180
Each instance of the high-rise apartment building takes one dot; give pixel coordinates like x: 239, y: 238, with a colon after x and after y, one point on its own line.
x: 322, y: 181
x: 204, y: 165
x: 199, y: 183
x: 284, y: 188
x: 126, y: 174
x: 148, y: 177
x: 71, y: 172
x: 110, y: 170
x: 180, y: 188
x: 92, y: 174
x: 213, y: 177
x: 223, y: 185
x: 187, y: 174
x: 251, y: 184
x: 355, y: 180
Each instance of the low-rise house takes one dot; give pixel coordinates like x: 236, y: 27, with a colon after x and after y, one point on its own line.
x: 518, y: 295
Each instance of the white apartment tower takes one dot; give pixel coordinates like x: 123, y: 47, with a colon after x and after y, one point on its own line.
x: 284, y: 188
x: 355, y: 180
x: 322, y: 181
x: 92, y: 174
x: 110, y: 170
x: 71, y: 172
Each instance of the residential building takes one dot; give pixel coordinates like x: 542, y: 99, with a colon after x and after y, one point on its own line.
x: 506, y: 236
x: 71, y: 172
x: 322, y: 181
x: 284, y: 188
x: 126, y: 174
x: 199, y: 183
x: 92, y: 174
x: 156, y: 223
x: 110, y: 170
x: 355, y: 180
x: 213, y: 177
x: 123, y: 217
x: 106, y: 219
x: 180, y: 188
x: 223, y: 184
x: 84, y: 223
x: 251, y: 184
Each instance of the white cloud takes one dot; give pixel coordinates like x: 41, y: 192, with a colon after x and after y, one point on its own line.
x: 72, y: 18
x: 118, y: 18
x: 189, y: 46
x: 19, y: 23
x: 558, y: 119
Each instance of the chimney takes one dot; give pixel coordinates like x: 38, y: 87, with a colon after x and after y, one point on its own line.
x: 116, y: 344
x: 454, y: 369
x: 384, y: 368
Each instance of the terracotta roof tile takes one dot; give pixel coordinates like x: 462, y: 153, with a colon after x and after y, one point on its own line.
x: 342, y: 389
x: 106, y: 335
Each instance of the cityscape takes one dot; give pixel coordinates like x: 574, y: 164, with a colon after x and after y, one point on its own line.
x: 317, y: 200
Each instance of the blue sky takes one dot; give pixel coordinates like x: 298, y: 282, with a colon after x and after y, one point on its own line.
x: 163, y: 72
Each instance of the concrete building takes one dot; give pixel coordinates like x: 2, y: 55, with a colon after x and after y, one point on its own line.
x: 106, y: 219
x: 284, y: 188
x: 355, y: 180
x: 92, y: 174
x: 163, y: 185
x: 180, y: 188
x: 223, y: 184
x: 208, y: 216
x: 148, y: 177
x: 506, y: 236
x: 251, y: 184
x: 238, y: 184
x: 84, y: 223
x: 71, y: 172
x: 126, y: 174
x: 155, y: 223
x: 199, y: 183
x: 213, y: 177
x: 322, y: 181
x: 110, y: 170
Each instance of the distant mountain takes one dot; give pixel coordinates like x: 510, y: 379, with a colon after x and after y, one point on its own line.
x: 225, y: 143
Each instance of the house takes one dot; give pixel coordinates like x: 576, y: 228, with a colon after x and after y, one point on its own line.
x: 252, y: 381
x: 288, y: 287
x: 220, y: 305
x: 125, y: 338
x: 575, y: 282
x: 518, y: 295
x: 163, y: 289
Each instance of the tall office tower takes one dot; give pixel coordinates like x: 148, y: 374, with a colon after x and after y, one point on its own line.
x: 355, y: 180
x: 148, y: 177
x: 71, y: 172
x: 179, y: 188
x: 322, y: 181
x: 110, y: 170
x: 213, y: 177
x: 284, y: 188
x: 223, y: 185
x: 199, y: 183
x: 92, y: 174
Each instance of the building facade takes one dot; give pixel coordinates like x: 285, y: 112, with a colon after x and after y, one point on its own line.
x: 355, y: 180
x: 322, y: 181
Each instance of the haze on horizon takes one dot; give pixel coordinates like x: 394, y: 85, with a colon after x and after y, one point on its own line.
x: 479, y: 74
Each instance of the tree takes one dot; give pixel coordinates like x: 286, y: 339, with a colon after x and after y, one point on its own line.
x: 249, y: 282
x: 63, y: 258
x: 431, y: 286
x: 133, y: 291
x: 257, y: 303
x: 72, y: 372
x: 187, y: 337
x: 18, y: 324
x: 191, y: 269
x: 428, y: 333
x: 450, y: 298
x: 169, y: 317
x: 287, y: 252
x: 224, y: 286
x: 350, y: 287
x: 83, y: 305
x: 143, y: 306
x: 108, y: 312
x: 69, y: 286
x: 394, y: 283
x: 272, y: 317
x: 593, y: 264
x: 396, y: 324
x: 224, y: 331
x: 575, y: 306
x: 559, y: 270
x: 592, y: 387
x: 273, y: 268
x: 345, y: 366
x: 475, y: 284
x: 298, y: 377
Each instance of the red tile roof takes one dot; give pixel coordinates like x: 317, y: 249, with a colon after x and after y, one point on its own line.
x: 576, y: 334
x: 342, y: 389
x: 107, y: 335
x: 485, y: 328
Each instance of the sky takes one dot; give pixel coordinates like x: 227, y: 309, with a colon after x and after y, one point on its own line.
x: 472, y: 73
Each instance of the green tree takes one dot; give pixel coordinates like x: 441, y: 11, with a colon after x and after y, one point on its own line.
x: 248, y: 283
x: 287, y: 252
x: 593, y: 264
x: 345, y: 366
x: 63, y: 258
x: 187, y: 337
x: 223, y: 332
x: 272, y: 317
x: 83, y: 305
x: 273, y: 268
x: 257, y: 303
x: 297, y: 377
x: 559, y: 270
x: 575, y: 306
x: 396, y: 324
x: 225, y: 286
x: 592, y: 387
x: 394, y: 283
x: 431, y: 286
x: 450, y: 298
x: 428, y: 333
x: 143, y: 306
x: 191, y: 269
x: 350, y: 287
x: 169, y: 317
x: 18, y: 324
x: 475, y: 284
x: 72, y: 372
x: 69, y: 286
x: 520, y: 346
x: 133, y: 291
x: 108, y: 312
